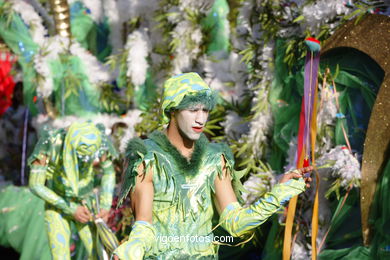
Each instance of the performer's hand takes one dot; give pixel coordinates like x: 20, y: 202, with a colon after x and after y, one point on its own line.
x: 116, y: 257
x: 298, y: 173
x: 82, y: 214
x: 104, y: 214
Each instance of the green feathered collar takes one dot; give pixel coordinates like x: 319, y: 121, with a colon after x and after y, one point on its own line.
x: 188, y: 167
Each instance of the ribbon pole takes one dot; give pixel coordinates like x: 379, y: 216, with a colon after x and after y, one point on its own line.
x: 24, y: 148
x: 306, y: 141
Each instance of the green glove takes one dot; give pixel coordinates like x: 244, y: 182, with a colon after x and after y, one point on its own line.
x: 141, y: 240
x: 238, y: 220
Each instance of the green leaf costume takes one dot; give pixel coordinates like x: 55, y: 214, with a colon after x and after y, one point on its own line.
x: 66, y: 178
x: 184, y: 190
x: 183, y: 198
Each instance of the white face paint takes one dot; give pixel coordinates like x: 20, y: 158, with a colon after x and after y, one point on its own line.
x: 191, y: 121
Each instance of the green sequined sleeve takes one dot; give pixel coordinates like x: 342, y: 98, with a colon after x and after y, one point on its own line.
x: 37, y: 186
x: 141, y: 241
x: 38, y: 173
x: 42, y: 148
x: 239, y: 221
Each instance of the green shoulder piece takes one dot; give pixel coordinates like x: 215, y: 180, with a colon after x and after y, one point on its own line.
x: 227, y: 152
x: 134, y: 155
x: 44, y: 145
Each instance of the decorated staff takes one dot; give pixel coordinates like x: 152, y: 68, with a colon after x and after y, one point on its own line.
x: 306, y: 141
x: 60, y: 9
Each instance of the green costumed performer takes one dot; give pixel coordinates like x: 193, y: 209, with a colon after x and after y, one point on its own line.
x: 62, y: 175
x: 174, y: 177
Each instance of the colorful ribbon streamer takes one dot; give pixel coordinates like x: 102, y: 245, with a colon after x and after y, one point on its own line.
x: 306, y: 142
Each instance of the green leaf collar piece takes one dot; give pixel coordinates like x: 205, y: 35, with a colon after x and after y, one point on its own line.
x: 188, y: 167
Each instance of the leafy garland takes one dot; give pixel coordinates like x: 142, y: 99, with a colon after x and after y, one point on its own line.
x: 32, y: 19
x: 56, y: 48
x: 180, y: 24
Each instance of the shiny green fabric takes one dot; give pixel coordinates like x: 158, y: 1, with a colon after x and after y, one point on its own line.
x: 345, y: 232
x: 285, y: 97
x: 239, y: 221
x: 82, y: 24
x: 22, y: 224
x: 141, y: 240
x: 81, y: 141
x: 353, y: 253
x: 358, y: 80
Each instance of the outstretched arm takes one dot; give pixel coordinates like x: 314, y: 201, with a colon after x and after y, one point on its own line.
x: 142, y: 235
x: 238, y: 220
x: 37, y: 186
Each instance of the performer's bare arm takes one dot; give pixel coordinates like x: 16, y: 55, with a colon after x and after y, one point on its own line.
x: 142, y: 197
x: 223, y: 189
x: 142, y: 206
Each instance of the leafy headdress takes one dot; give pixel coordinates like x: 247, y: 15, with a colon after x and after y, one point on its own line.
x: 183, y: 91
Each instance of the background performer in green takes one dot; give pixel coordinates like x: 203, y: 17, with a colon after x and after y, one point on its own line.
x: 62, y: 175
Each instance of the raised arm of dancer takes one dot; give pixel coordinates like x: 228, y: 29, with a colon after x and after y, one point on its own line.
x: 238, y: 220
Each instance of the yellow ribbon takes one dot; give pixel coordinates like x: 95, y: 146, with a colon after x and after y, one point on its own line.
x: 290, y: 217
x: 314, y: 219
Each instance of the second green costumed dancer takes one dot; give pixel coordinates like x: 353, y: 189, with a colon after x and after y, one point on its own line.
x: 62, y: 175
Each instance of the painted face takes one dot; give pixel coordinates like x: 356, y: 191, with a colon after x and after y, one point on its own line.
x: 191, y: 121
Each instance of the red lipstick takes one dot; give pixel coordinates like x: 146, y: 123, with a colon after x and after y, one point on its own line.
x: 197, y: 129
